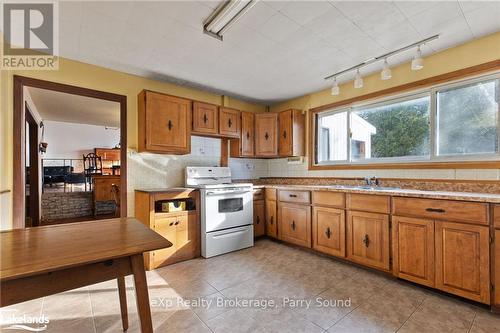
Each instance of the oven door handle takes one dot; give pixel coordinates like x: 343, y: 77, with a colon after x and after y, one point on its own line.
x: 213, y: 193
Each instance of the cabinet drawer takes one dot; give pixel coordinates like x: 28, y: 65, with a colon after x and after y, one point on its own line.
x: 258, y: 194
x: 270, y: 193
x: 295, y: 196
x: 328, y: 199
x: 473, y: 212
x: 369, y: 203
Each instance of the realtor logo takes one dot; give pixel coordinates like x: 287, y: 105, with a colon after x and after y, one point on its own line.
x: 30, y: 35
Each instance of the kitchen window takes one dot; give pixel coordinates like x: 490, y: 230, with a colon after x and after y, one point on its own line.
x: 449, y: 123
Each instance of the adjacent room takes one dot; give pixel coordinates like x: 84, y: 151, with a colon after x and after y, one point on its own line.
x: 250, y: 166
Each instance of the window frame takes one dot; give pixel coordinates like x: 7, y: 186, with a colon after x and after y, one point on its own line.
x: 431, y: 161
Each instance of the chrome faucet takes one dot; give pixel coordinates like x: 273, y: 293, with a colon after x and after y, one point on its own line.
x: 372, y: 181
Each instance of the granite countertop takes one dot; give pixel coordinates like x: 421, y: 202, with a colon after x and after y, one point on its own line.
x: 463, y: 196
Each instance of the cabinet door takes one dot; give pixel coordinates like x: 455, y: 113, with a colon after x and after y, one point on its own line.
x: 271, y: 221
x: 462, y: 260
x: 295, y: 224
x: 164, y: 124
x: 166, y: 227
x: 266, y: 141
x: 413, y: 249
x: 497, y: 268
x: 187, y: 237
x: 259, y: 220
x: 328, y: 231
x: 229, y: 122
x: 247, y: 134
x: 205, y: 118
x: 285, y: 133
x: 368, y: 239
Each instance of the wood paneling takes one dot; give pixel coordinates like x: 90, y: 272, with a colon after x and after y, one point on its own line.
x: 462, y: 260
x: 259, y: 218
x: 413, y: 249
x: 328, y: 199
x: 295, y: 224
x: 266, y: 134
x: 164, y: 123
x: 295, y: 196
x: 473, y: 212
x: 291, y: 133
x: 205, y: 118
x: 229, y: 122
x: 368, y: 239
x: 271, y: 220
x: 369, y: 203
x: 328, y: 231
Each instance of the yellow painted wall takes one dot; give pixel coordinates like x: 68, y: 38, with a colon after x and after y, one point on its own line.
x: 93, y: 77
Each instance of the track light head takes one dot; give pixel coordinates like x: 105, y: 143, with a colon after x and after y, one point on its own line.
x: 417, y: 63
x: 386, y: 73
x: 335, y: 88
x: 358, y: 80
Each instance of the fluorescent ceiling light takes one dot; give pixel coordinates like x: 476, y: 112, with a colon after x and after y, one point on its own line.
x: 225, y: 15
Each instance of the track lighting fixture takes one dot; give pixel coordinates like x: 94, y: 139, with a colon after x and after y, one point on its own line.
x: 335, y: 87
x: 358, y: 80
x: 417, y: 63
x: 386, y: 73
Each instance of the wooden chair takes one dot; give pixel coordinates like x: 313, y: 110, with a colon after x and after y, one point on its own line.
x: 92, y: 165
x: 115, y: 189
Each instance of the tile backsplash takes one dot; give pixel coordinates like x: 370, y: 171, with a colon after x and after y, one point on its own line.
x: 146, y: 170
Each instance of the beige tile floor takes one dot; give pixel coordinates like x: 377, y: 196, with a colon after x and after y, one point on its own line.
x: 268, y: 271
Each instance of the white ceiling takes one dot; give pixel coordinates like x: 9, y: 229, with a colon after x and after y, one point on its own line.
x: 278, y: 50
x: 69, y: 108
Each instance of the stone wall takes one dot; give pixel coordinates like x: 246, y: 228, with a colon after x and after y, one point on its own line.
x: 60, y: 205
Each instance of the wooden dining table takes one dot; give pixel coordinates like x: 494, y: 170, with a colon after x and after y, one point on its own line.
x: 41, y: 261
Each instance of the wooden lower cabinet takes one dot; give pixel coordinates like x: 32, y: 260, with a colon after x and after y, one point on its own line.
x: 259, y: 218
x: 182, y: 231
x: 271, y: 220
x: 413, y: 249
x: 462, y: 260
x: 368, y: 239
x: 328, y: 231
x: 496, y: 272
x: 295, y: 224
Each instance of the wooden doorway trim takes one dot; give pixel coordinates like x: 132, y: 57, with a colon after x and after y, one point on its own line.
x: 34, y: 158
x: 19, y: 149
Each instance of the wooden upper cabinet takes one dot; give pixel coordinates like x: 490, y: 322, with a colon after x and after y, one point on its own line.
x: 291, y: 133
x: 266, y: 131
x: 245, y: 145
x: 368, y: 239
x: 463, y: 260
x: 205, y: 118
x: 328, y: 231
x: 413, y: 249
x: 164, y: 123
x: 229, y: 122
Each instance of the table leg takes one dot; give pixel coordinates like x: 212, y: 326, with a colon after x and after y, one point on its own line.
x: 122, y: 292
x: 141, y: 293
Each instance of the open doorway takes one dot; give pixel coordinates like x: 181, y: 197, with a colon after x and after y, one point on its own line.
x: 73, y: 154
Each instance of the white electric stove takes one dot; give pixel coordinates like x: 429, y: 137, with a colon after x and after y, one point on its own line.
x: 226, y: 210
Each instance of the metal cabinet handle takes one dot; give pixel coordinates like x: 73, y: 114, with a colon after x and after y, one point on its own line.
x: 266, y: 136
x: 177, y: 222
x: 284, y: 134
x: 171, y: 224
x: 292, y: 195
x: 366, y: 241
x: 248, y: 135
x: 205, y: 118
x: 229, y: 122
x: 328, y: 232
x: 258, y: 219
x: 436, y: 210
x: 293, y: 225
x: 272, y: 219
x: 170, y: 125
